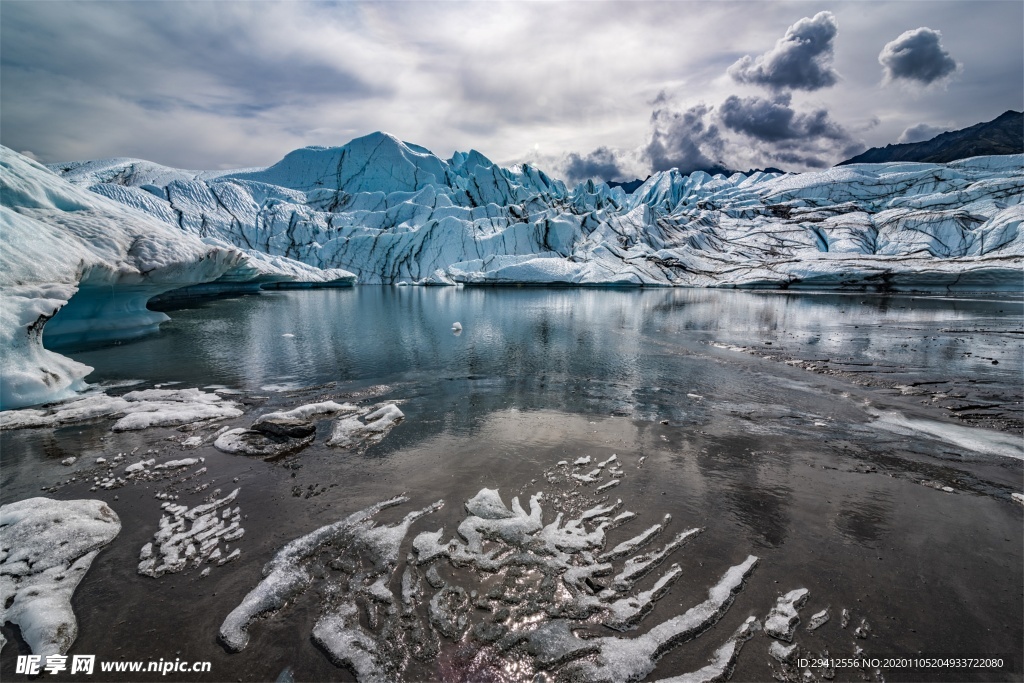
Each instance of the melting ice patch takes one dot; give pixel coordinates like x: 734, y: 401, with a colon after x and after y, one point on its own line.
x: 512, y: 582
x: 783, y: 619
x: 135, y: 410
x: 366, y: 427
x: 193, y: 536
x: 282, y: 433
x: 46, y: 547
x: 972, y: 438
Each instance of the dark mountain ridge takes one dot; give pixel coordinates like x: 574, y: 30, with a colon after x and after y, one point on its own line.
x: 1002, y: 135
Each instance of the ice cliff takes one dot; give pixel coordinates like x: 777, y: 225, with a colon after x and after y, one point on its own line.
x: 83, y: 267
x: 391, y: 211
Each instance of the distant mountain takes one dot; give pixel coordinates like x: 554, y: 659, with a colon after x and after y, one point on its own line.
x: 629, y: 186
x: 1004, y: 135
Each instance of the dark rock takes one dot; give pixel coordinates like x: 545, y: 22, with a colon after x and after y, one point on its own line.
x: 289, y: 428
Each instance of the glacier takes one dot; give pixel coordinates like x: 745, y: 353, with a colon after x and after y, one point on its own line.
x: 393, y: 212
x: 81, y: 267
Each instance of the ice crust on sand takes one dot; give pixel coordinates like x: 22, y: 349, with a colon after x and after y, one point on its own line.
x: 192, y: 536
x: 136, y: 410
x: 292, y: 569
x: 783, y: 654
x: 623, y: 659
x: 366, y: 427
x: 818, y: 619
x: 512, y: 581
x: 782, y: 620
x: 347, y: 644
x: 724, y: 660
x: 46, y: 548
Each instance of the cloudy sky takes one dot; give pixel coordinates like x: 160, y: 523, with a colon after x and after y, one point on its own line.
x: 610, y: 90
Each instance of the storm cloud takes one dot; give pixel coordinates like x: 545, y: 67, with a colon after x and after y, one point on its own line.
x: 920, y: 133
x: 687, y: 140
x: 747, y: 132
x: 601, y: 164
x: 774, y: 120
x: 801, y: 60
x: 233, y: 84
x: 917, y: 56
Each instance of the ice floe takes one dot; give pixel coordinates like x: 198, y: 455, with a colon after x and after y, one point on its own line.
x: 784, y: 654
x: 974, y: 439
x: 46, y: 548
x: 818, y: 619
x: 277, y: 434
x: 724, y: 659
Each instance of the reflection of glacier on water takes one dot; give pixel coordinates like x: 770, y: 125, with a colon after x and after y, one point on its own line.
x: 516, y: 589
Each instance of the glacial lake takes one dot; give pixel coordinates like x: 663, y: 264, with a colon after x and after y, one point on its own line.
x: 861, y: 446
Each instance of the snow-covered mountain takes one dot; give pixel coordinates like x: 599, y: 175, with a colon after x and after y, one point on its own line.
x: 391, y: 211
x: 84, y: 267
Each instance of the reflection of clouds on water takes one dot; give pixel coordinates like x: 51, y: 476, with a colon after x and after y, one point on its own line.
x: 754, y: 488
x: 633, y: 338
x: 762, y: 510
x: 864, y: 521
